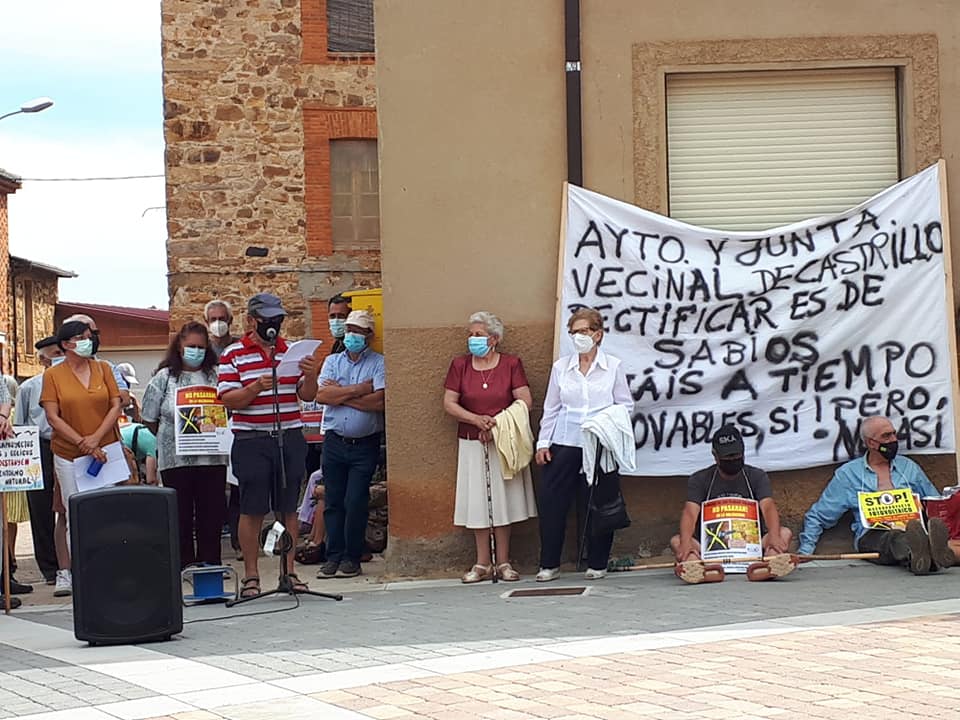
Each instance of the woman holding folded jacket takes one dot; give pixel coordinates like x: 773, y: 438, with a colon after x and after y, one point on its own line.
x: 581, y: 385
x: 479, y: 385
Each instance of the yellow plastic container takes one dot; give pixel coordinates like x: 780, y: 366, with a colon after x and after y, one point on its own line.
x: 371, y: 300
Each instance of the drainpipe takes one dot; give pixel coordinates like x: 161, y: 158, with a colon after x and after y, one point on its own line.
x: 571, y: 27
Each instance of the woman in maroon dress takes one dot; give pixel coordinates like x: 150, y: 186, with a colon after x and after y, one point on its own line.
x: 478, y: 386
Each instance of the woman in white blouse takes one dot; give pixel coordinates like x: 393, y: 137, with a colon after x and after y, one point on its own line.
x: 580, y: 385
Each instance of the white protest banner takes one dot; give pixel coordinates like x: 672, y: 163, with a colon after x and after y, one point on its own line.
x: 20, y: 467
x: 794, y: 334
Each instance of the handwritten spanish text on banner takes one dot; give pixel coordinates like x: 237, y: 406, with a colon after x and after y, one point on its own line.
x: 793, y: 334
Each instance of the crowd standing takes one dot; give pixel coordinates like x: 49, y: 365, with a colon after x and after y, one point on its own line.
x: 82, y: 405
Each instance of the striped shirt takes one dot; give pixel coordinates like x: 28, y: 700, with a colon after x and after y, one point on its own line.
x: 242, y: 364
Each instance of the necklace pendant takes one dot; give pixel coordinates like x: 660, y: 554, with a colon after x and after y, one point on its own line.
x: 484, y: 386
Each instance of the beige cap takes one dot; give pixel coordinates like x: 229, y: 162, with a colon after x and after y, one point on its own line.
x: 361, y: 318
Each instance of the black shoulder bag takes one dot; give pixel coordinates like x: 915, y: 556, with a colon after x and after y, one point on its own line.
x: 607, y: 509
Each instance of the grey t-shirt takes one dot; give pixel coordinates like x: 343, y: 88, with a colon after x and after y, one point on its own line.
x: 699, y: 488
x: 159, y: 406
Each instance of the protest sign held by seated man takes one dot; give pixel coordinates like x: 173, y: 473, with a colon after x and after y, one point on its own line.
x: 729, y: 511
x: 880, y: 489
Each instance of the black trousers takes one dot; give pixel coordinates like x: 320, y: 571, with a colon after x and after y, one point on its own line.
x: 561, y: 482
x: 885, y: 543
x: 42, y: 519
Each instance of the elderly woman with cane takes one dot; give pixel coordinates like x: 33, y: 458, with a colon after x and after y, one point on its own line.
x: 581, y: 386
x: 480, y: 385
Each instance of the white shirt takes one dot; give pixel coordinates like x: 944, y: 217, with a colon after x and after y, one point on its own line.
x: 573, y: 397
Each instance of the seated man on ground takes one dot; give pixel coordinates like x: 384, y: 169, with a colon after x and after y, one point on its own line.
x: 881, y: 468
x: 729, y: 477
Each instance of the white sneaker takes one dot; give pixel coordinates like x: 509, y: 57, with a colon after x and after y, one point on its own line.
x: 592, y: 574
x: 64, y: 585
x: 548, y: 574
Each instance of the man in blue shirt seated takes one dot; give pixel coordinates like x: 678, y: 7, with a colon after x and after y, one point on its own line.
x: 352, y: 388
x: 880, y: 469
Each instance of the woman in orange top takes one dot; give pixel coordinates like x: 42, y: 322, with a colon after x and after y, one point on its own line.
x: 82, y: 403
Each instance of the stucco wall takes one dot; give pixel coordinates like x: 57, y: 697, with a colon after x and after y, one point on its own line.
x: 471, y: 112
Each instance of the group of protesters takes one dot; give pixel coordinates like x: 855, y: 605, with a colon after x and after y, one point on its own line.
x: 585, y: 439
x: 82, y: 406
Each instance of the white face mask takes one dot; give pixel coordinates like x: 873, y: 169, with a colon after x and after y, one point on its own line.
x: 583, y: 343
x: 218, y: 328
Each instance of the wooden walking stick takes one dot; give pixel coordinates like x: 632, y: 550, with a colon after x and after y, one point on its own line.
x: 6, y: 554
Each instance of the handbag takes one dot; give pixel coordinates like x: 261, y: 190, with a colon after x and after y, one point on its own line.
x: 607, y: 508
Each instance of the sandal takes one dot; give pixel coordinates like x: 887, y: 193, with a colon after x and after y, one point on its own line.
x: 250, y: 587
x: 296, y: 583
x: 506, y: 572
x: 478, y: 573
x: 310, y: 554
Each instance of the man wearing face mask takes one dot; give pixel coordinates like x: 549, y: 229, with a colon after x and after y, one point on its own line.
x: 881, y: 468
x: 352, y: 387
x: 729, y: 476
x: 218, y: 316
x: 245, y: 385
x: 338, y: 308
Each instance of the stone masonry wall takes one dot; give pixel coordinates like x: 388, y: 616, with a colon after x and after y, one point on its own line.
x: 235, y: 89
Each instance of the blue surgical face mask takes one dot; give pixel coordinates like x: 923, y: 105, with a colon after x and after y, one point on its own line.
x: 338, y: 327
x: 57, y: 360
x: 193, y: 357
x: 477, y: 346
x: 84, y: 348
x: 354, y: 342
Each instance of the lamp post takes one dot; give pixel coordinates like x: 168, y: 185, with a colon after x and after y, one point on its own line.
x: 34, y: 106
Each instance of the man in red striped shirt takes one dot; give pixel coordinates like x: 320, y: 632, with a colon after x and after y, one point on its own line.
x: 245, y: 386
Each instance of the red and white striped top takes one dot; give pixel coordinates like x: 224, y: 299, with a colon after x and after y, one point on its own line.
x: 241, y: 364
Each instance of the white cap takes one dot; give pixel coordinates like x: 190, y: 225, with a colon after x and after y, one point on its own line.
x: 128, y: 373
x: 361, y: 318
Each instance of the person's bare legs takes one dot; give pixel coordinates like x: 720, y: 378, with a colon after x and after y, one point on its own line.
x: 291, y: 522
x: 60, y: 542
x: 481, y: 537
x: 318, y: 531
x: 248, y: 530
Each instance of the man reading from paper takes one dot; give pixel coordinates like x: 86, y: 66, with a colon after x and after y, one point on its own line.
x: 874, y: 480
x: 729, y: 477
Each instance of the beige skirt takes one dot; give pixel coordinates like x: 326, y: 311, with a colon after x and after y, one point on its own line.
x: 513, y: 500
x: 17, y: 509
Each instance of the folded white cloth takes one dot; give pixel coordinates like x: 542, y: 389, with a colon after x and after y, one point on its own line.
x: 613, y: 428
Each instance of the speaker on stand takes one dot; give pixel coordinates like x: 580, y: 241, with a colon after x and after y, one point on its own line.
x: 126, y: 565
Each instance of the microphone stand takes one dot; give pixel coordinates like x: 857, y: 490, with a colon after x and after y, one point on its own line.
x: 285, y: 585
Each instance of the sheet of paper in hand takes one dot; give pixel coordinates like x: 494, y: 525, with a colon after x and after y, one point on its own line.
x: 290, y: 364
x: 888, y: 509
x: 730, y: 528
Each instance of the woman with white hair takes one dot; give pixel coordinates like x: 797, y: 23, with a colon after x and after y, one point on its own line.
x: 479, y: 385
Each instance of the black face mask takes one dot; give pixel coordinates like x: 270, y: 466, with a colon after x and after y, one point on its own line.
x: 730, y: 467
x: 269, y: 330
x: 888, y: 450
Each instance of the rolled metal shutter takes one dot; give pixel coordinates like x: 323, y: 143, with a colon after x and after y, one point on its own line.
x: 754, y: 150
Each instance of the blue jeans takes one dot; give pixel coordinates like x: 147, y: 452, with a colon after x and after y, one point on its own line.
x: 348, y: 466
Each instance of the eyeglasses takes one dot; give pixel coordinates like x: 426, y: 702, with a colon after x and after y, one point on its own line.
x: 583, y: 331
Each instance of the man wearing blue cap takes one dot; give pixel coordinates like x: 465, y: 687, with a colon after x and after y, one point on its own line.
x: 245, y: 385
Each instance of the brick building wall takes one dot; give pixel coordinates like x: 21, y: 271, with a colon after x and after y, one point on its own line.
x: 251, y: 100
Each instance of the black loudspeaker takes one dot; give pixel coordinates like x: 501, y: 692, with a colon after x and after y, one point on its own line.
x: 126, y: 565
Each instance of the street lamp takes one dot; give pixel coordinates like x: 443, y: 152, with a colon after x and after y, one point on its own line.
x: 34, y: 106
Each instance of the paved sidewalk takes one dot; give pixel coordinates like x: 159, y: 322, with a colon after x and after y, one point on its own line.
x: 842, y: 640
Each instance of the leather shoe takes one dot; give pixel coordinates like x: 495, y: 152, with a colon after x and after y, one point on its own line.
x: 940, y: 550
x: 919, y: 544
x: 19, y: 588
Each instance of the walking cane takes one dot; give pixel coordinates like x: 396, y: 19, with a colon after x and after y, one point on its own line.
x: 493, y: 538
x: 586, y: 518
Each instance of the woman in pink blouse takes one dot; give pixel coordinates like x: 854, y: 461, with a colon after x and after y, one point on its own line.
x: 479, y: 385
